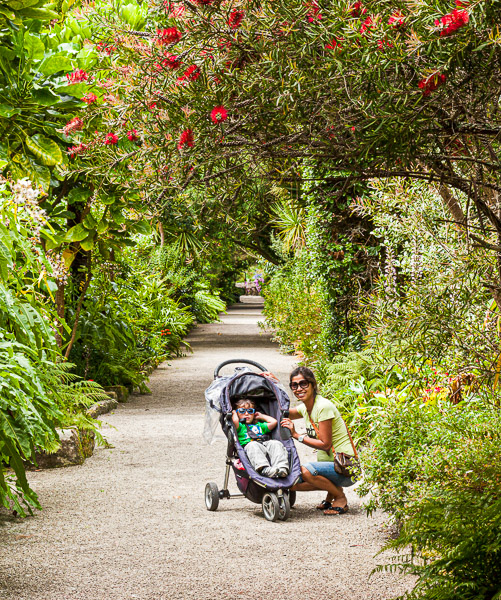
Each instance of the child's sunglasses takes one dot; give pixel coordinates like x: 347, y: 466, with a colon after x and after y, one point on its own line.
x: 242, y: 411
x: 303, y: 384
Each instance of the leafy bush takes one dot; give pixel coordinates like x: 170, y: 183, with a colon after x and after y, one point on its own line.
x: 36, y: 392
x: 436, y: 467
x: 294, y: 307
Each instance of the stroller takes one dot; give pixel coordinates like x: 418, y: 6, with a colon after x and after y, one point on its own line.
x: 274, y: 494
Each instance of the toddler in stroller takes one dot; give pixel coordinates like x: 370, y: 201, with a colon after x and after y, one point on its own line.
x: 271, y: 403
x: 267, y: 456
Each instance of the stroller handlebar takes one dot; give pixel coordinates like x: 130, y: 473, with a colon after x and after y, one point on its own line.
x: 237, y: 360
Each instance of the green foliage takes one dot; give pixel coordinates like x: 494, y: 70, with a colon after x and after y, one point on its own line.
x: 37, y: 394
x: 437, y: 467
x: 294, y: 306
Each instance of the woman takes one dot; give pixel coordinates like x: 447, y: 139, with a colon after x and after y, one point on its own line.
x: 325, y: 429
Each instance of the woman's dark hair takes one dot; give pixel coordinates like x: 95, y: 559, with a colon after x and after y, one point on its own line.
x: 307, y: 374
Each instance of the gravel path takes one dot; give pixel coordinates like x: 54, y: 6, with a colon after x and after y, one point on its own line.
x: 131, y: 522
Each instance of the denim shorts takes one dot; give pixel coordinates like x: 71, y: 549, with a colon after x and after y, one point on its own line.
x: 326, y: 469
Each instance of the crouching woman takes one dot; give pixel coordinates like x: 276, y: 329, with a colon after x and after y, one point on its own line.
x: 325, y: 430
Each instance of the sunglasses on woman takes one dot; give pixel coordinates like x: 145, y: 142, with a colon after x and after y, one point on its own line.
x: 303, y: 384
x: 242, y: 411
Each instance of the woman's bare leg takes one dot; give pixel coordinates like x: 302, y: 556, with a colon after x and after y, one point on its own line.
x: 335, y: 494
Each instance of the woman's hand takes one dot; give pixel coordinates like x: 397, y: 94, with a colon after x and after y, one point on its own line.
x: 270, y: 375
x: 288, y: 424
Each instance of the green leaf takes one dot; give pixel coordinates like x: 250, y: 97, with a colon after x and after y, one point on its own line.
x: 45, y: 97
x: 38, y: 174
x: 108, y: 200
x: 142, y: 227
x: 20, y: 4
x: 76, y: 89
x: 76, y: 233
x: 77, y: 195
x: 86, y: 58
x: 88, y: 243
x: 43, y: 14
x: 34, y: 47
x: 55, y: 64
x: 7, y: 111
x: 45, y: 149
x: 89, y: 222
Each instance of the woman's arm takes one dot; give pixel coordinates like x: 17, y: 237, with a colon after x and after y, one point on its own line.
x: 272, y: 423
x: 324, y: 441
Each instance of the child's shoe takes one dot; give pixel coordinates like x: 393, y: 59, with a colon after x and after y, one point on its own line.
x: 281, y: 472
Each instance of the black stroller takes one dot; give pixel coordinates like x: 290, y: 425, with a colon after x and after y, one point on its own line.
x: 274, y: 494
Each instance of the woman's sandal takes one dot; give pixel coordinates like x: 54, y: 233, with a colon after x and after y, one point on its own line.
x: 324, y: 505
x: 336, y: 510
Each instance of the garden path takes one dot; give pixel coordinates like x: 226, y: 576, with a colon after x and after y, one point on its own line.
x: 131, y: 522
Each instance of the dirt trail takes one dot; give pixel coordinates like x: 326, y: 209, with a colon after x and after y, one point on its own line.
x: 131, y: 522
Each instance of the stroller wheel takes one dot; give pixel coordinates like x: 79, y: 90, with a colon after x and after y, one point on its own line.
x: 271, y: 507
x: 292, y: 497
x: 211, y: 496
x: 284, y: 507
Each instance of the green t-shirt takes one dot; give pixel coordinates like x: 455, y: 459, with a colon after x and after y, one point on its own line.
x: 323, y: 410
x: 259, y: 428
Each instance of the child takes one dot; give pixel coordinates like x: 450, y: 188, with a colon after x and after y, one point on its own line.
x: 268, y: 457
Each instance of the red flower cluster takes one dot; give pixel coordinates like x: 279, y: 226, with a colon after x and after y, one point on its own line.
x: 165, y: 332
x: 452, y: 21
x: 102, y: 47
x: 111, y: 139
x: 236, y: 18
x: 382, y: 43
x: 75, y: 124
x: 89, y: 98
x: 357, y: 9
x: 132, y: 135
x: 192, y: 73
x: 367, y: 25
x: 397, y: 19
x: 77, y: 76
x: 168, y: 36
x: 75, y: 150
x: 335, y: 44
x: 431, y: 83
x: 186, y: 138
x: 219, y: 114
x: 313, y: 13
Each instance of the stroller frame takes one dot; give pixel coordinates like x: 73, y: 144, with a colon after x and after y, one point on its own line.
x: 274, y: 495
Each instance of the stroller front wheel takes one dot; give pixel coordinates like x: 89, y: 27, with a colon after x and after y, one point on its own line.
x: 211, y: 496
x: 271, y: 507
x: 284, y: 506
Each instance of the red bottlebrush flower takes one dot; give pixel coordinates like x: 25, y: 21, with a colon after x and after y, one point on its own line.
x: 397, y: 19
x: 75, y: 150
x: 152, y: 105
x: 168, y: 36
x: 219, y: 114
x: 335, y: 44
x: 77, y: 76
x: 357, y: 9
x: 111, y: 139
x: 313, y: 13
x: 382, y: 43
x: 431, y: 83
x: 192, y: 73
x: 171, y: 61
x: 452, y: 22
x: 75, y: 124
x: 89, y: 98
x: 236, y: 18
x: 132, y: 135
x: 367, y: 25
x: 186, y: 138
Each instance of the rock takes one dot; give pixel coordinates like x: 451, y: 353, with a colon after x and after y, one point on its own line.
x: 100, y: 408
x: 122, y: 392
x: 76, y: 446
